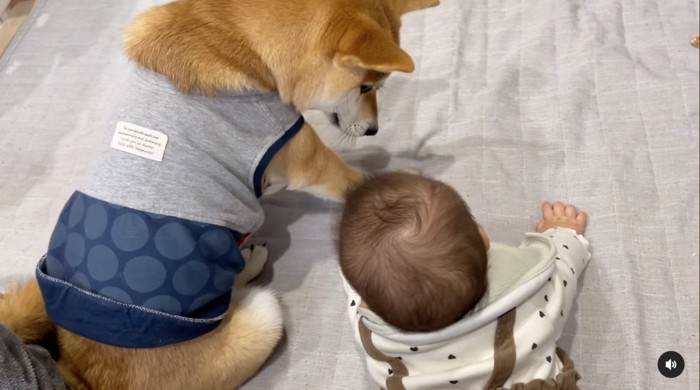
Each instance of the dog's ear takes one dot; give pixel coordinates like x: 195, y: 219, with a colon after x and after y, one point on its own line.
x: 413, y: 5
x: 367, y: 46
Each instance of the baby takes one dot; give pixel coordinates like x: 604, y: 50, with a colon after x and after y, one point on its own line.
x: 435, y: 305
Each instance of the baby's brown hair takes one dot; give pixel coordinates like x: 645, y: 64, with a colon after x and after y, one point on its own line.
x: 411, y: 248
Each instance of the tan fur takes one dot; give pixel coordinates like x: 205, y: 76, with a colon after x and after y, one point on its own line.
x: 311, y: 52
x: 22, y: 310
x: 305, y: 162
x: 288, y: 46
x: 221, y: 359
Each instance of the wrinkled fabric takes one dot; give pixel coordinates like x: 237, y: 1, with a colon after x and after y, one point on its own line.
x: 593, y: 102
x: 26, y: 367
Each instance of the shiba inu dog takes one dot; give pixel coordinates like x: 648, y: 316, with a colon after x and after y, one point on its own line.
x: 137, y: 282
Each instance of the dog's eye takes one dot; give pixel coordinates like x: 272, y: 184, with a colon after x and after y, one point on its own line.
x: 365, y: 89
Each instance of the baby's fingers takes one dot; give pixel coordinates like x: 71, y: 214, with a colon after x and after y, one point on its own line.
x: 570, y: 211
x: 558, y: 208
x: 581, y: 218
x: 546, y: 211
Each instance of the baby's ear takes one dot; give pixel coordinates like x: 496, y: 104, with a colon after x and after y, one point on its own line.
x: 485, y: 237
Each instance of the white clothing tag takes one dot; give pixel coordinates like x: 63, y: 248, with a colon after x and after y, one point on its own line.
x: 139, y: 141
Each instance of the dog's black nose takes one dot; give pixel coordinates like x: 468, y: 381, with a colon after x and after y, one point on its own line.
x: 372, y: 130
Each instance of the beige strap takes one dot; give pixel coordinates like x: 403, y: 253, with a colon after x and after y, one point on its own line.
x: 399, y: 370
x: 566, y: 380
x: 504, y: 350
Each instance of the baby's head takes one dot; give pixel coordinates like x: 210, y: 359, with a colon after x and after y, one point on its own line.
x: 411, y: 248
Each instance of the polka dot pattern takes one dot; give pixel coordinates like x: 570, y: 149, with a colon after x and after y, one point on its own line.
x: 102, y: 263
x: 95, y: 221
x: 191, y: 277
x: 223, y: 278
x: 80, y: 280
x: 215, y: 243
x: 77, y: 210
x: 155, y: 261
x: 55, y: 268
x: 144, y: 274
x: 74, y: 251
x: 129, y: 232
x: 116, y: 293
x: 174, y: 241
x: 59, y: 235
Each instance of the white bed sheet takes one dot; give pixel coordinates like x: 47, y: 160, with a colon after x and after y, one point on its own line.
x: 593, y: 102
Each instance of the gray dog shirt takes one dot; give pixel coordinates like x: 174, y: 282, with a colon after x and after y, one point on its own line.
x: 146, y: 253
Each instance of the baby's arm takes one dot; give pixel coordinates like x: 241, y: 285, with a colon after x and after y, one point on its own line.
x: 564, y: 225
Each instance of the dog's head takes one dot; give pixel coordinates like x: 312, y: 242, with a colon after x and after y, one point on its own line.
x: 359, y: 48
x: 329, y: 55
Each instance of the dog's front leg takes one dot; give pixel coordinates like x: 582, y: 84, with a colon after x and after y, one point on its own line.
x: 307, y: 164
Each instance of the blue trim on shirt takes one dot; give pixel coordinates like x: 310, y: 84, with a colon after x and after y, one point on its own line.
x: 265, y: 161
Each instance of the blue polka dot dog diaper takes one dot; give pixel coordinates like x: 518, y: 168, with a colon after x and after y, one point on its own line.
x: 146, y: 253
x: 123, y: 267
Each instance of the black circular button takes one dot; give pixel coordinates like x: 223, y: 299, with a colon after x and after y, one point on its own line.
x: 671, y: 364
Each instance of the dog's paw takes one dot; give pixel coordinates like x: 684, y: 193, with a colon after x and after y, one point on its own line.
x: 255, y: 257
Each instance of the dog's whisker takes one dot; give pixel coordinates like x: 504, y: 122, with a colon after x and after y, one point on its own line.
x: 339, y: 140
x: 343, y: 139
x: 384, y: 88
x: 346, y: 138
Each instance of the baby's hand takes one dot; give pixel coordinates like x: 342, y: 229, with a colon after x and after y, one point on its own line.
x: 561, y: 216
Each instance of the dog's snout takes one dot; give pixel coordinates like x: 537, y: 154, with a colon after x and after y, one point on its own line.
x: 373, y: 130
